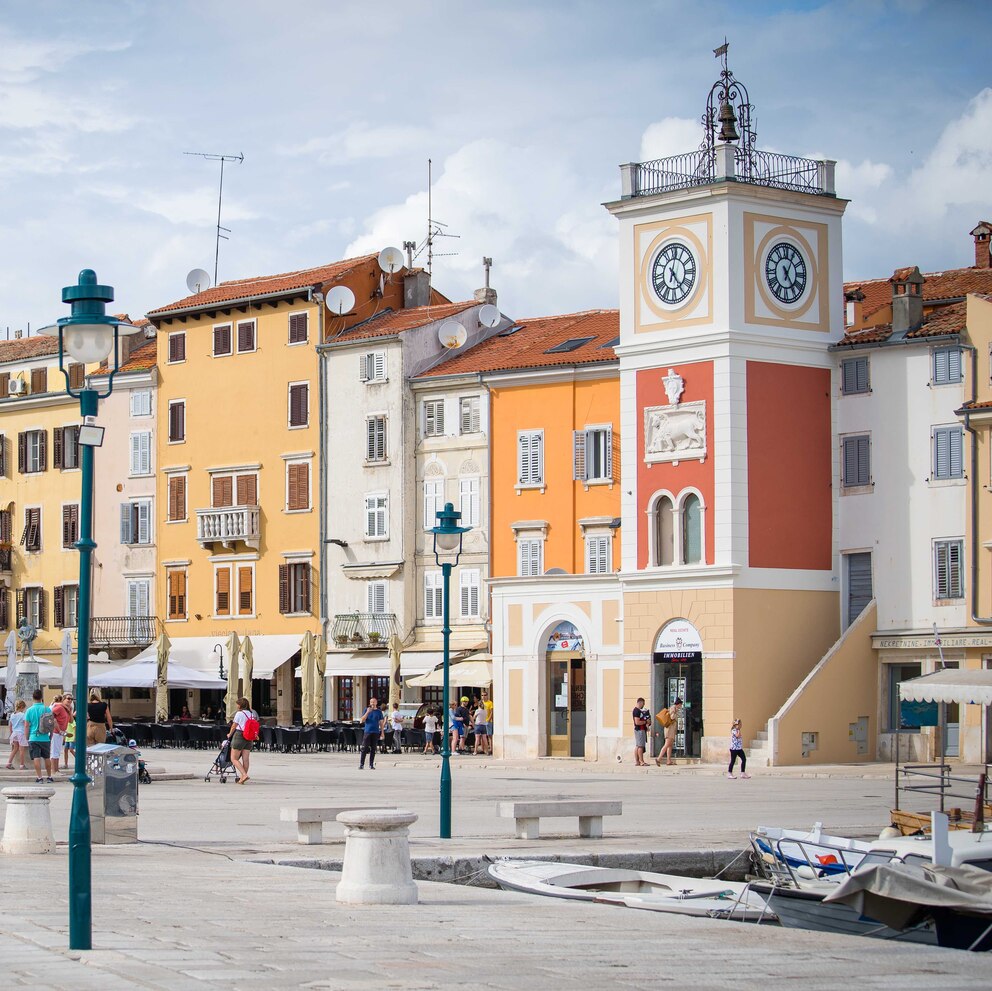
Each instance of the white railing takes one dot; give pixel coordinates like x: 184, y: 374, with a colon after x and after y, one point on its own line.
x: 228, y: 525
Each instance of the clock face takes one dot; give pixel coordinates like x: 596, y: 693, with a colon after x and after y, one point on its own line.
x: 673, y: 274
x: 785, y: 272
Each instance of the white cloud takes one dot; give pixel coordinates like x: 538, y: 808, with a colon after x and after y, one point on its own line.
x: 197, y: 207
x: 362, y: 141
x: 859, y: 183
x: 670, y: 136
x: 24, y: 59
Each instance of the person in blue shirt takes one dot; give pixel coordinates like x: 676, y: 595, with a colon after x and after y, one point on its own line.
x: 372, y: 725
x: 39, y: 742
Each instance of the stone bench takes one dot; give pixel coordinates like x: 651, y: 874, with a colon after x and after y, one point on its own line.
x: 528, y: 814
x: 310, y: 822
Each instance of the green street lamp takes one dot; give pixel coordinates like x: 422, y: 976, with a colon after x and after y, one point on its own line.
x: 88, y: 335
x: 447, y: 549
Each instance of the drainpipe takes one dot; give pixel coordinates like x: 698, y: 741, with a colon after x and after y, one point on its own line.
x: 489, y: 506
x: 318, y: 297
x: 975, y: 491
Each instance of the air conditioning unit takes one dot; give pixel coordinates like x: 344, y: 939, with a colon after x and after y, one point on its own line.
x: 18, y: 387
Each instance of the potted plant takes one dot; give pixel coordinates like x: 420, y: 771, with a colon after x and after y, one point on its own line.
x: 375, y: 636
x: 357, y: 638
x: 340, y: 639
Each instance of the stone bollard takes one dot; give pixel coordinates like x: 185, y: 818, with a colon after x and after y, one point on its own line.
x: 28, y: 824
x: 376, y: 867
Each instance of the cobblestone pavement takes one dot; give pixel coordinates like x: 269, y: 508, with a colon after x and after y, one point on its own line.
x: 183, y: 909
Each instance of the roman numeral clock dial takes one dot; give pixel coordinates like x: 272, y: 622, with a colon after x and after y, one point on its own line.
x: 785, y: 272
x: 673, y: 274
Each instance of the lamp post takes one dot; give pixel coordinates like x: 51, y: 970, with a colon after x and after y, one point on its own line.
x: 89, y: 335
x: 220, y: 663
x: 447, y: 549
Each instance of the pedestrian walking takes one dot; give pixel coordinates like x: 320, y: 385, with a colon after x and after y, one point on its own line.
x: 372, y: 728
x: 430, y: 732
x: 642, y: 719
x: 669, y: 719
x: 488, y: 703
x: 396, y: 724
x: 39, y: 723
x: 18, y: 737
x: 99, y: 721
x: 243, y: 734
x: 61, y: 713
x: 482, y: 744
x: 459, y: 726
x: 737, y: 750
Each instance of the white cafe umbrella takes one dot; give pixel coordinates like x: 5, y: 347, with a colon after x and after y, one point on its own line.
x: 67, y: 675
x: 233, y: 682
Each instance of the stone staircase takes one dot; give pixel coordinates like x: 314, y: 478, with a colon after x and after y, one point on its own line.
x: 759, y: 752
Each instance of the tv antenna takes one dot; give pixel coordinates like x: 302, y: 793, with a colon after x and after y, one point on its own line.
x: 435, y: 229
x: 220, y: 196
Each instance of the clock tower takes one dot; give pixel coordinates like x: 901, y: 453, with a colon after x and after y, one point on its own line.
x: 730, y: 295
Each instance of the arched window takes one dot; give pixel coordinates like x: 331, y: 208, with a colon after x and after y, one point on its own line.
x: 692, y: 530
x: 664, y: 533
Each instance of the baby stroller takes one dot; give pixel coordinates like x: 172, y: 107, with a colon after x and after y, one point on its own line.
x: 144, y: 778
x: 222, y: 765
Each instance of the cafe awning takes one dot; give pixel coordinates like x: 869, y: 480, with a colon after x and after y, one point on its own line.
x: 363, y: 664
x: 271, y: 650
x: 145, y: 675
x: 950, y: 685
x: 469, y: 673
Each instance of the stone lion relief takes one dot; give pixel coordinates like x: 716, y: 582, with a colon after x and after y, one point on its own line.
x: 672, y: 433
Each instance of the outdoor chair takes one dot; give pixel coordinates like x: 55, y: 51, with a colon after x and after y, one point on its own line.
x: 290, y: 738
x: 308, y: 738
x: 180, y: 733
x: 326, y: 737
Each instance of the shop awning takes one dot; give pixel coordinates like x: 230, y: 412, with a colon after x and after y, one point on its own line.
x: 145, y: 675
x: 51, y: 674
x: 363, y: 664
x: 197, y: 653
x: 463, y: 673
x: 950, y: 685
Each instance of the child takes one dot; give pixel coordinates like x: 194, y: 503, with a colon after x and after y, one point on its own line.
x: 18, y: 737
x: 70, y: 743
x: 737, y: 750
x: 430, y: 728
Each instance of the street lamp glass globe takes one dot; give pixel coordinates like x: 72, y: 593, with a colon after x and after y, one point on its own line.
x: 447, y: 542
x: 88, y: 342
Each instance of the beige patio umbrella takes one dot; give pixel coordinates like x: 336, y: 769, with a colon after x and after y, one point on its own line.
x: 247, y: 668
x: 162, y: 679
x: 231, y: 698
x: 320, y: 666
x: 395, y: 682
x: 306, y: 675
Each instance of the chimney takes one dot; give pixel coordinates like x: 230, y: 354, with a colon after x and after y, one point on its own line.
x: 416, y: 289
x: 486, y: 294
x: 907, y: 301
x: 853, y: 307
x: 981, y: 234
x: 18, y: 334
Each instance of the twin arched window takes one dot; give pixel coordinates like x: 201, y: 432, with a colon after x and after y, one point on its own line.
x: 676, y: 530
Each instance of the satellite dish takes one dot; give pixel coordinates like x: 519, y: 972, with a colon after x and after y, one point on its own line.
x: 556, y: 571
x: 198, y: 280
x: 391, y: 260
x: 489, y: 315
x: 451, y: 334
x: 340, y: 300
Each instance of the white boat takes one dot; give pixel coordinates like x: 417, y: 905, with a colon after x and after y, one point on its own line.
x: 808, y: 854
x: 633, y: 889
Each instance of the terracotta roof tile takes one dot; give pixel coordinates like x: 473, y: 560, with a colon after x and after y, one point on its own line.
x: 984, y: 404
x: 391, y: 321
x: 528, y: 346
x: 945, y: 320
x: 263, y: 285
x: 140, y: 359
x: 952, y: 284
x: 870, y: 335
x: 27, y: 347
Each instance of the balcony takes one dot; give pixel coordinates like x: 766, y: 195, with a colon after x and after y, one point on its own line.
x: 363, y: 630
x: 228, y: 525
x: 123, y: 631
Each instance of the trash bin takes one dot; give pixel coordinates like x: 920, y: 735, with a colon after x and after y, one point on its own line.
x: 113, y: 798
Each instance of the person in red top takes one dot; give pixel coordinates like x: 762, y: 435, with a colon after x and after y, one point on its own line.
x: 62, y: 715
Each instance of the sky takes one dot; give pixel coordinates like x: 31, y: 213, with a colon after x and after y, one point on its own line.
x: 525, y: 107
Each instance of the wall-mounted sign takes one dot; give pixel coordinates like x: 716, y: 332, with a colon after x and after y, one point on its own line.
x: 678, y: 641
x: 565, y: 637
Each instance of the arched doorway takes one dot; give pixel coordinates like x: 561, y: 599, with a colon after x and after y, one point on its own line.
x: 566, y: 692
x: 677, y: 672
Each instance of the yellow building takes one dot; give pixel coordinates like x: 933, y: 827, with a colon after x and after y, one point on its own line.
x: 240, y: 406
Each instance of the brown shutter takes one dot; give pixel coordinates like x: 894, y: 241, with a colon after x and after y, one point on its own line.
x: 177, y: 347
x: 4, y: 385
x: 77, y: 374
x: 172, y: 498
x: 222, y: 491
x: 22, y: 452
x: 39, y: 380
x: 247, y: 490
x: 20, y: 602
x: 222, y: 339
x: 67, y: 539
x: 244, y: 591
x: 43, y: 450
x: 4, y: 609
x: 6, y: 526
x: 181, y: 502
x: 298, y: 403
x: 3, y: 455
x: 42, y: 610
x: 58, y: 438
x: 299, y: 486
x: 180, y: 594
x: 223, y: 591
x: 307, y: 578
x: 284, y: 588
x: 246, y: 335
x: 297, y: 328
x: 74, y: 440
x: 58, y: 600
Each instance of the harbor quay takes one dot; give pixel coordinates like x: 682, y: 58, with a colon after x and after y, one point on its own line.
x: 207, y: 898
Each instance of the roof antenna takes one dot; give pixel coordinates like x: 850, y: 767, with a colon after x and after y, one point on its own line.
x: 220, y: 196
x: 435, y: 229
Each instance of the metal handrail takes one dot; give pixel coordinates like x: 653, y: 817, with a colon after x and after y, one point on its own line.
x: 124, y: 631
x: 938, y: 780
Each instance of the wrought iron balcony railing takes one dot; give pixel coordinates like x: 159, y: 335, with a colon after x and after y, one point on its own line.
x: 363, y: 630
x: 124, y: 631
x: 229, y: 525
x: 699, y: 168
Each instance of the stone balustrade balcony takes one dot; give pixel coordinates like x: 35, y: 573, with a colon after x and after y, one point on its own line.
x: 227, y: 525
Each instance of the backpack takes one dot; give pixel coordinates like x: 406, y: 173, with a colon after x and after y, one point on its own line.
x: 47, y: 724
x: 251, y: 728
x: 665, y: 718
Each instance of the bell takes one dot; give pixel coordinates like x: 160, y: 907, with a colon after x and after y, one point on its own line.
x: 728, y: 123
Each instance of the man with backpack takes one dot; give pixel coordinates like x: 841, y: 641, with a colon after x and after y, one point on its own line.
x: 40, y: 724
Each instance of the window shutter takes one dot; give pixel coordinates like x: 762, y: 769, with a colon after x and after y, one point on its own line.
x: 6, y: 526
x: 144, y: 521
x: 940, y: 366
x: 247, y: 490
x: 523, y: 457
x: 222, y: 339
x: 246, y: 335
x: 956, y: 465
x: 609, y: 453
x: 39, y: 380
x: 244, y: 591
x: 3, y: 455
x: 173, y: 493
x: 942, y: 453
x: 864, y: 464
x: 58, y: 600
x: 284, y: 588
x: 298, y: 403
x: 126, y: 517
x: 43, y: 450
x: 177, y: 347
x: 22, y: 452
x: 363, y: 367
x: 4, y: 385
x: 299, y: 485
x: 42, y: 610
x: 67, y: 526
x: 579, y: 438
x: 77, y: 373
x: 177, y: 421
x: 297, y: 328
x: 58, y: 439
x: 307, y: 579
x: 223, y: 591
x: 4, y: 609
x: 145, y: 453
x: 77, y: 451
x: 222, y: 491
x: 135, y: 457
x: 132, y: 599
x: 378, y: 365
x: 954, y: 365
x: 20, y: 602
